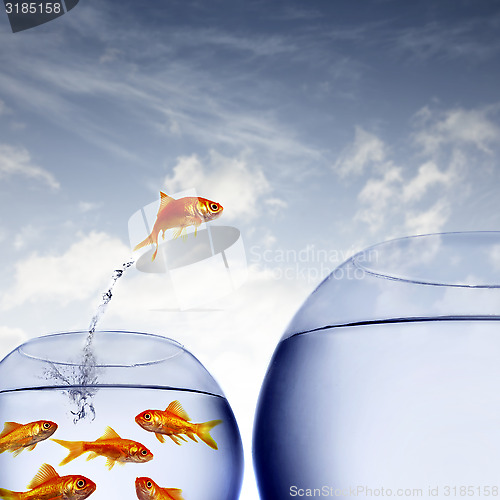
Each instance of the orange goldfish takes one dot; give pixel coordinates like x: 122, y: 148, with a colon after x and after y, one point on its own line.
x: 49, y: 485
x: 181, y: 213
x: 109, y: 445
x: 147, y: 489
x: 173, y: 422
x: 15, y: 437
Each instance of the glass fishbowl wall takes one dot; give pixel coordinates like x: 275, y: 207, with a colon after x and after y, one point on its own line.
x: 387, y: 381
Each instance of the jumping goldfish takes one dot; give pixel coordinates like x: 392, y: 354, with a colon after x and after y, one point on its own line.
x: 181, y: 213
x: 16, y: 437
x: 173, y: 422
x: 49, y: 485
x: 147, y: 489
x: 109, y: 445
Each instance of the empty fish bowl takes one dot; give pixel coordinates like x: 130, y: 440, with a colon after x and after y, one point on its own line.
x: 387, y: 381
x: 117, y: 415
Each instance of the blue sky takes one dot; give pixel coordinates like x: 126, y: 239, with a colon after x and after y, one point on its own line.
x: 327, y: 126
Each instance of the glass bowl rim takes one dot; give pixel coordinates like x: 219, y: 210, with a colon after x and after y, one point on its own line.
x: 72, y: 333
x: 356, y: 258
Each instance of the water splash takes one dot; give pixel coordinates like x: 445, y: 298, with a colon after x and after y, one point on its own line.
x: 83, y: 377
x: 81, y: 380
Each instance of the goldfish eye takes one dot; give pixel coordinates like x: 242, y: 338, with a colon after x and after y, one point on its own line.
x: 147, y: 416
x: 80, y: 483
x: 144, y: 452
x: 214, y: 207
x: 46, y: 425
x: 149, y: 484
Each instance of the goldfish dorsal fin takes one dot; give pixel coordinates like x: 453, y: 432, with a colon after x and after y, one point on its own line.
x: 164, y: 201
x: 175, y: 493
x: 44, y: 474
x: 176, y: 408
x: 109, y: 433
x: 9, y: 427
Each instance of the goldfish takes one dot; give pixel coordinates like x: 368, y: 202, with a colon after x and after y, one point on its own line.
x: 147, y: 489
x: 173, y: 422
x: 16, y: 437
x: 180, y: 213
x: 49, y: 485
x: 109, y: 445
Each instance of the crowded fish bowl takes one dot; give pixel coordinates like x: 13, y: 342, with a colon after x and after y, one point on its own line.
x: 115, y: 415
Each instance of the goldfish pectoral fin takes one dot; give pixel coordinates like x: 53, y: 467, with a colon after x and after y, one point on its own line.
x: 110, y: 463
x: 160, y: 437
x: 92, y: 455
x: 32, y: 447
x: 180, y: 232
x: 17, y: 451
x: 174, y: 493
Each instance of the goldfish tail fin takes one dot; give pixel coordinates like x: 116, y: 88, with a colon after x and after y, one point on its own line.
x: 203, y: 432
x: 75, y: 449
x: 9, y: 495
x: 148, y: 241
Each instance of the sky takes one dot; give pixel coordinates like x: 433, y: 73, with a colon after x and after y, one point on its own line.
x: 321, y: 127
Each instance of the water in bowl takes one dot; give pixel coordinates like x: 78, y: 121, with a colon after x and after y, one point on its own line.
x: 382, y: 409
x: 200, y: 471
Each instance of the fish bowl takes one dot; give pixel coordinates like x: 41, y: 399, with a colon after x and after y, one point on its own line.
x: 134, y: 414
x: 387, y: 380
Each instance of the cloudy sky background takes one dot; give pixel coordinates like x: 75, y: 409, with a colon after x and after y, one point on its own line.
x: 321, y: 127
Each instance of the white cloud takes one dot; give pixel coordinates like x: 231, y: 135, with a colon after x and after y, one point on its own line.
x: 17, y: 161
x: 366, y: 150
x: 238, y: 185
x: 429, y: 176
x: 428, y: 221
x: 456, y: 127
x: 76, y: 274
x: 421, y: 198
x: 377, y: 195
x: 86, y: 206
